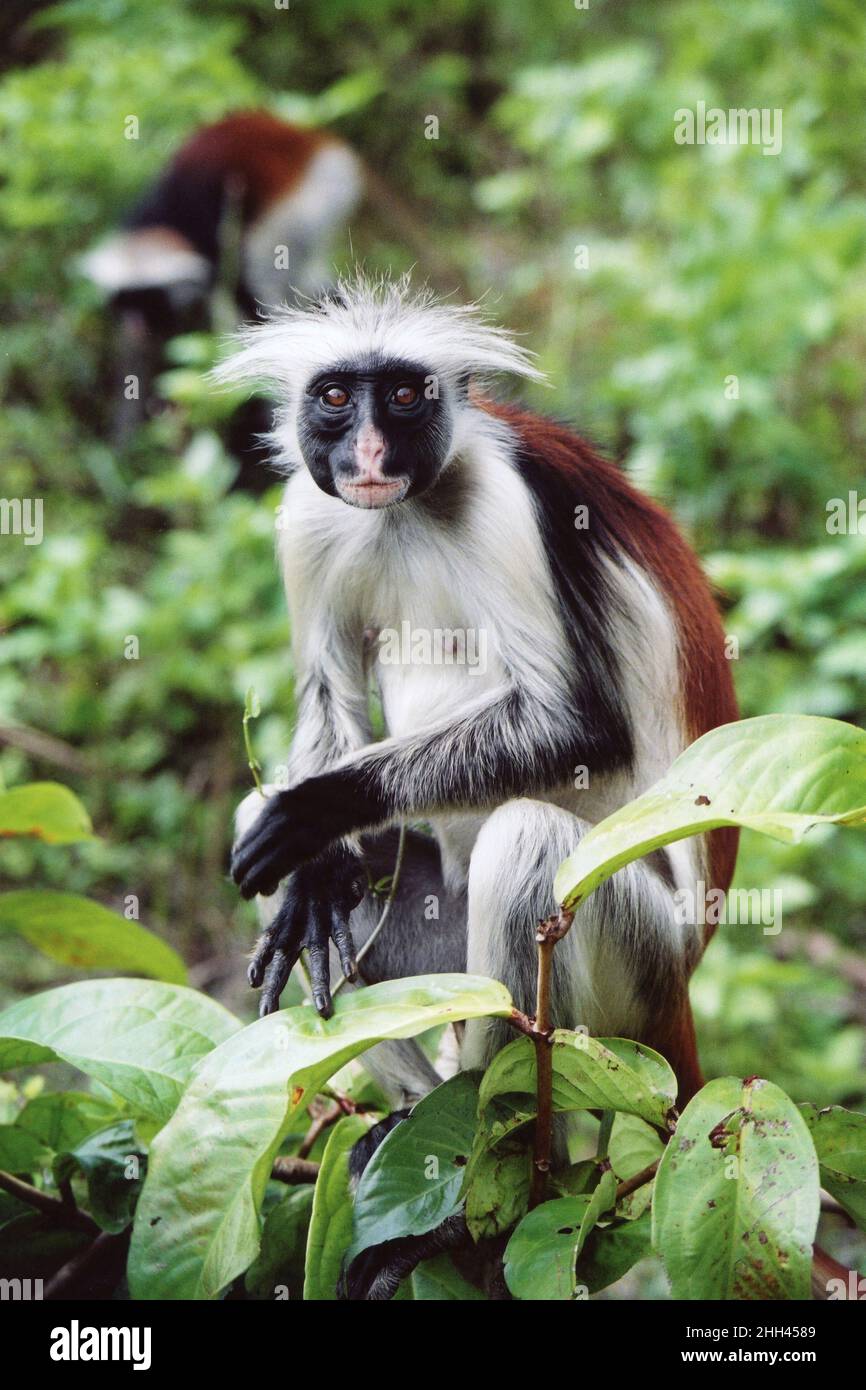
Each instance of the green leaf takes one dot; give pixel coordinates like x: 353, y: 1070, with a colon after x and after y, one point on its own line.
x: 736, y: 1199
x: 138, y: 1037
x: 634, y: 1145
x: 840, y: 1141
x: 114, y: 1169
x: 497, y: 1188
x: 780, y: 774
x: 76, y: 931
x: 413, y: 1181
x: 602, y: 1198
x: 280, y: 1261
x: 32, y: 1246
x: 62, y: 1119
x: 610, y: 1252
x: 44, y: 811
x: 197, y: 1224
x: 588, y: 1074
x: 20, y: 1152
x: 540, y: 1256
x: 330, y: 1231
x: 437, y: 1280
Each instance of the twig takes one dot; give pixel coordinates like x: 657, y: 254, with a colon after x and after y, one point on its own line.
x: 294, y: 1170
x: 522, y: 1022
x: 45, y: 748
x: 629, y: 1185
x: 550, y: 931
x: 252, y: 710
x: 50, y: 1206
x: 319, y: 1125
x: 395, y: 879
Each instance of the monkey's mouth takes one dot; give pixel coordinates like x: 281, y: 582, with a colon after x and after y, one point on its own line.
x: 373, y: 494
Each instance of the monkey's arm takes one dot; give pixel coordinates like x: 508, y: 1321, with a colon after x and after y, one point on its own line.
x: 331, y: 721
x: 512, y: 745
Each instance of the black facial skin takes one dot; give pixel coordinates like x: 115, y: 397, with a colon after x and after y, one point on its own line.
x: 393, y: 398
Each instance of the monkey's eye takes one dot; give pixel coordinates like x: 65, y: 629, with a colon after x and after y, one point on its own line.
x: 404, y: 395
x: 335, y: 397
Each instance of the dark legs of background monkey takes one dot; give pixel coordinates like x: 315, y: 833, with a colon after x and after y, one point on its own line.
x: 490, y: 930
x: 144, y: 322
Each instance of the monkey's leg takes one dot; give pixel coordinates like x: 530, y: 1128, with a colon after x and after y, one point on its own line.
x: 425, y: 934
x: 623, y: 968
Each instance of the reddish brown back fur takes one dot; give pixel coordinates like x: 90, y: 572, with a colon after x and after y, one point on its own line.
x: 267, y: 155
x: 651, y: 539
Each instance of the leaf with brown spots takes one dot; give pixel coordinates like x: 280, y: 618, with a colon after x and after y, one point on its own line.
x: 736, y: 1197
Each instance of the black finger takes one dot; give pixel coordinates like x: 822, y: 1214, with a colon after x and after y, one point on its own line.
x: 286, y: 930
x: 276, y: 979
x: 318, y: 958
x: 341, y: 936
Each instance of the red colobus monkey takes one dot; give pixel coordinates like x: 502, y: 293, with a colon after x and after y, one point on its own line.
x: 417, y: 505
x: 251, y: 190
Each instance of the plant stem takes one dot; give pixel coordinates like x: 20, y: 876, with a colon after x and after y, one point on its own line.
x: 60, y: 1212
x: 395, y: 879
x: 253, y: 763
x: 551, y: 930
x: 318, y: 1126
x: 288, y: 1169
x: 607, y: 1119
x: 544, y: 1083
x: 637, y: 1180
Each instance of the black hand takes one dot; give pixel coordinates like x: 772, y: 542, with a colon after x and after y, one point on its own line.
x: 297, y: 825
x: 319, y: 898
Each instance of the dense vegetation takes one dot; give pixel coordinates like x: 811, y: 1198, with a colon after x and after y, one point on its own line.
x: 704, y: 263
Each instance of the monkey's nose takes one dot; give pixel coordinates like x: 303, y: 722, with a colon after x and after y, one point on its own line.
x: 369, y: 451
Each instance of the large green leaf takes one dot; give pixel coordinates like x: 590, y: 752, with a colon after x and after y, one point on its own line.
x: 76, y: 931
x: 330, y: 1230
x: 413, y: 1180
x: 588, y: 1074
x: 139, y: 1037
x: 540, y: 1256
x: 197, y: 1224
x: 840, y: 1142
x: 780, y: 774
x: 498, y: 1186
x: 62, y: 1119
x: 45, y: 811
x: 736, y: 1197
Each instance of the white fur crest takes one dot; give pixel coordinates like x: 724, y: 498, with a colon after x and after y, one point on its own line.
x: 373, y: 317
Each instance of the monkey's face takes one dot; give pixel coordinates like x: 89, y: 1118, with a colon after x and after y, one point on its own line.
x: 374, y: 437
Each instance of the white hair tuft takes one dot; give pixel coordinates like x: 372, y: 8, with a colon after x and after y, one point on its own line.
x: 365, y: 318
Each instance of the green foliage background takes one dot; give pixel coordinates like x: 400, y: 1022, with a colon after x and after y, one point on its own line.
x: 555, y: 131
